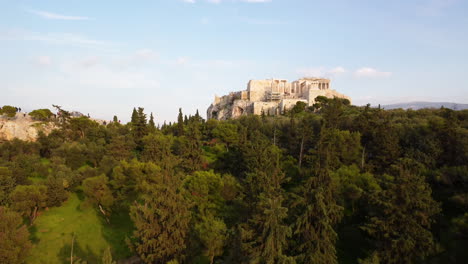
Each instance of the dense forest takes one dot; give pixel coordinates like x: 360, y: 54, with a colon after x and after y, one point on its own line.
x: 330, y: 183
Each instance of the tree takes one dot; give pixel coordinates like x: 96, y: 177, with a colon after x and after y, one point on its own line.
x: 190, y: 148
x: 7, y: 184
x: 56, y: 192
x: 161, y: 220
x: 98, y: 192
x: 314, y: 227
x: 8, y: 110
x: 139, y: 127
x: 403, y: 213
x: 115, y: 119
x: 134, y: 118
x: 41, y: 114
x: 14, y: 238
x: 266, y: 228
x: 180, y: 124
x: 151, y: 124
x: 212, y: 233
x: 28, y: 200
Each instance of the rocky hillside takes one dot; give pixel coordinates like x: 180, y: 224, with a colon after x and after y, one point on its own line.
x: 23, y: 127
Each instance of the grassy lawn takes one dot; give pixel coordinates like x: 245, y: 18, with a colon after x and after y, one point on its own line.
x: 53, y: 231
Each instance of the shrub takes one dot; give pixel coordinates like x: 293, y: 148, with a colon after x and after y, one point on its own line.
x: 8, y: 110
x: 41, y: 114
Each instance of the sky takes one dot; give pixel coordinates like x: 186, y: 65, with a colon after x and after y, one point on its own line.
x: 106, y: 57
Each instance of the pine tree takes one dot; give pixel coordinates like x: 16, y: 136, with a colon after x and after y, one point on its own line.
x: 115, y: 119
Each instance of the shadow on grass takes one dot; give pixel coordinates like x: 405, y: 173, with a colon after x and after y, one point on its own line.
x: 79, y: 254
x: 117, y: 232
x: 81, y: 196
x: 33, y: 234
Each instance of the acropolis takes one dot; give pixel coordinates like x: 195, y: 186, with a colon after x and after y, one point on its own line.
x: 271, y: 97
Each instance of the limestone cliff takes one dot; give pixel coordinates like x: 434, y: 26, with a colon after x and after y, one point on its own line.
x: 272, y: 97
x: 22, y: 127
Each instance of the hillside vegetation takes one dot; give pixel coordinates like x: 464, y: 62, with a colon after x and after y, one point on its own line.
x: 332, y: 183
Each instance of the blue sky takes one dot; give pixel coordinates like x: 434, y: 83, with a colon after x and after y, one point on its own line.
x: 105, y: 57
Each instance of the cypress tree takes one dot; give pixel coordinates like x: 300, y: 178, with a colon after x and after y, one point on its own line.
x: 151, y: 124
x: 134, y: 119
x: 180, y: 123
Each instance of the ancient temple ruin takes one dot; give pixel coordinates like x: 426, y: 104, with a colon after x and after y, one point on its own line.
x: 270, y: 97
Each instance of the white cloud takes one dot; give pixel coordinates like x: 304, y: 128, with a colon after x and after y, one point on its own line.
x: 338, y: 70
x: 43, y: 60
x: 55, y: 38
x: 312, y: 72
x: 189, y: 1
x: 89, y: 62
x: 49, y: 15
x: 182, y: 61
x: 146, y: 54
x: 367, y: 72
x: 105, y: 76
x: 321, y: 72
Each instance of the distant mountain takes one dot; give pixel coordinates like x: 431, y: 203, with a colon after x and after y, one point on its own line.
x: 421, y: 105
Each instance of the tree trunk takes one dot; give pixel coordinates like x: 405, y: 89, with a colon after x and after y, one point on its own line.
x: 33, y: 216
x: 212, y: 259
x: 301, y: 152
x: 362, y: 157
x: 71, y: 254
x: 104, y: 213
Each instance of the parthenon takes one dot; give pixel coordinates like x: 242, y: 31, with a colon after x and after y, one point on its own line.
x: 272, y: 97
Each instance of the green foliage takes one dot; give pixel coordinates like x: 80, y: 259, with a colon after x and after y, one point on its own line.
x: 98, y: 192
x: 139, y: 127
x: 14, y: 238
x: 28, y: 200
x: 314, y: 226
x: 7, y: 184
x: 180, y: 124
x: 151, y: 124
x: 298, y: 108
x: 56, y: 190
x: 161, y: 224
x: 212, y: 233
x: 403, y: 214
x: 41, y: 114
x: 256, y: 189
x: 8, y: 110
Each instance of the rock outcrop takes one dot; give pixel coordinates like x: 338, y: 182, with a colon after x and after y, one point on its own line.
x: 23, y: 127
x: 271, y: 97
